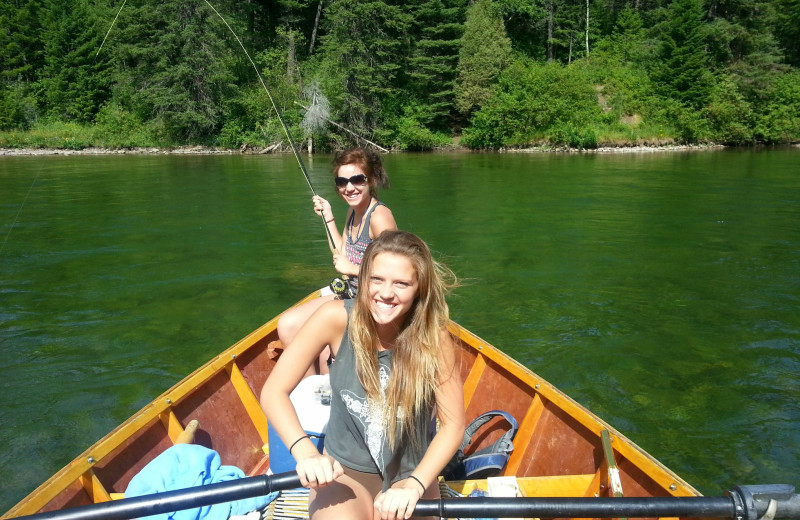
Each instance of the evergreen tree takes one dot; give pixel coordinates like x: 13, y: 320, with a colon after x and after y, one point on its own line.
x: 526, y: 24
x: 21, y: 59
x: 173, y: 67
x: 485, y: 51
x: 788, y: 29
x: 75, y: 79
x: 362, y: 54
x: 627, y: 40
x: 683, y: 72
x: 434, y: 39
x: 21, y: 46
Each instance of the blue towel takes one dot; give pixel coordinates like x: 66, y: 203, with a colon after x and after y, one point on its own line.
x: 188, y: 465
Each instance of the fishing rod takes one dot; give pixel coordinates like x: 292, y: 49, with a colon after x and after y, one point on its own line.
x: 280, y: 118
x: 271, y: 98
x: 763, y: 502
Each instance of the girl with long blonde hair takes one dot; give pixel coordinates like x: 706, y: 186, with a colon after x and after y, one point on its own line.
x: 394, y: 370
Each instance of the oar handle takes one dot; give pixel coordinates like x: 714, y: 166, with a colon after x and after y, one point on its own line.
x: 177, y: 500
x: 774, y: 502
x: 741, y: 503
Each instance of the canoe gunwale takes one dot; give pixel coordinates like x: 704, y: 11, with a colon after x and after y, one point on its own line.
x: 620, y: 443
x: 161, y: 410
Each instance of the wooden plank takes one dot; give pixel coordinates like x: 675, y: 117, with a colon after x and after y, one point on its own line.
x: 524, y: 435
x: 250, y: 402
x: 471, y: 383
x: 172, y: 424
x: 556, y: 486
x: 94, y: 488
x: 626, y: 448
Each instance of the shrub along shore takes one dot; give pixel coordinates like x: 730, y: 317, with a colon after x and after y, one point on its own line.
x: 206, y: 150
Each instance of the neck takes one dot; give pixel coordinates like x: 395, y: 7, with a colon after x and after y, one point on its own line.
x: 387, y: 335
x: 362, y: 208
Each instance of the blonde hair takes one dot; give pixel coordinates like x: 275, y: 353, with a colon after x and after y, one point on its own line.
x: 416, y: 353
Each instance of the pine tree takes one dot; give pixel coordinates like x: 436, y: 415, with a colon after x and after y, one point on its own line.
x: 434, y: 49
x: 21, y: 46
x: 788, y: 30
x: 683, y: 71
x: 361, y: 56
x: 75, y: 81
x: 485, y: 51
x: 174, y: 60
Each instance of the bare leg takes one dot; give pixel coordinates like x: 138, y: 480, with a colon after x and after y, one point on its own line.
x: 289, y: 325
x: 352, y: 496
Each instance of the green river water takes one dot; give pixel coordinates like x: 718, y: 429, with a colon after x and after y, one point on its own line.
x: 660, y: 290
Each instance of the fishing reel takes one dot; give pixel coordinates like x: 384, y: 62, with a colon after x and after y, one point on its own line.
x: 342, y: 288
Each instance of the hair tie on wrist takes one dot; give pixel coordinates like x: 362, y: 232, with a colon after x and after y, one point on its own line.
x: 420, y: 483
x: 298, y: 440
x: 329, y: 221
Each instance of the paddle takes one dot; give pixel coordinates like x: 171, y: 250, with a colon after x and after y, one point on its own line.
x: 741, y: 503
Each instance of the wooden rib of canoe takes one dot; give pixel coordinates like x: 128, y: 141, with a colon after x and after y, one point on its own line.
x: 561, y: 449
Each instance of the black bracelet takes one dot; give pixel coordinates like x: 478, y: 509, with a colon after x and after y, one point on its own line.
x: 298, y: 440
x: 420, y: 483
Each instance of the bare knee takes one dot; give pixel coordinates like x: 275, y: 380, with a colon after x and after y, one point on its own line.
x: 288, y: 325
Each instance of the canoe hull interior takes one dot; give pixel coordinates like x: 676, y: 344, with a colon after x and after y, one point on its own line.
x: 559, y: 449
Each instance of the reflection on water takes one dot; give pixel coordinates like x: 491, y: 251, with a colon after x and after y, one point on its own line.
x: 659, y: 290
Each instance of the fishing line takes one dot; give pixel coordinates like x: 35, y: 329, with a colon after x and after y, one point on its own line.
x: 16, y: 217
x: 109, y: 29
x: 272, y: 100
x: 280, y: 117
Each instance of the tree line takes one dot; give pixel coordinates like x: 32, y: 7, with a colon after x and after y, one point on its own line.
x: 411, y: 74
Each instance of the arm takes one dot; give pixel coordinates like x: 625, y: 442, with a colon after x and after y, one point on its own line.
x: 323, y: 208
x: 399, y: 501
x: 381, y: 220
x: 325, y: 327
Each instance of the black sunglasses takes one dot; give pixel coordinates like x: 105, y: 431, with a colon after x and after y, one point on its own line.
x: 355, y: 180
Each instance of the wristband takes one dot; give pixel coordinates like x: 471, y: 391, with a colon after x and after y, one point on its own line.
x: 420, y: 483
x: 295, y: 442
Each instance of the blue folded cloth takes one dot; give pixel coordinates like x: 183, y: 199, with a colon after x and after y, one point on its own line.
x: 480, y: 493
x: 189, y: 465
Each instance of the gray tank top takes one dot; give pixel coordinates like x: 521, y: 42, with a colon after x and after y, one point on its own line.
x: 355, y: 434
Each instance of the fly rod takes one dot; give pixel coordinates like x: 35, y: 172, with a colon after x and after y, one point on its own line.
x: 271, y: 99
x: 280, y: 118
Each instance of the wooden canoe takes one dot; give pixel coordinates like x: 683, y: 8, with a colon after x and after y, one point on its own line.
x: 561, y: 449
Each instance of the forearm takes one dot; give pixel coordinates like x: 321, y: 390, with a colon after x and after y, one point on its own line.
x: 441, y: 449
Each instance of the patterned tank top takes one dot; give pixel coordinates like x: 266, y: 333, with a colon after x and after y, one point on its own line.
x: 354, y: 247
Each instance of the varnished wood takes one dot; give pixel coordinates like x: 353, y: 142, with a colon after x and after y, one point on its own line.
x: 558, y: 449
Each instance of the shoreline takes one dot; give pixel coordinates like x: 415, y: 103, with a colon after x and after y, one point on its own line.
x: 205, y: 150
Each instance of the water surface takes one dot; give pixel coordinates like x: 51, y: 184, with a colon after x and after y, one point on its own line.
x: 660, y: 290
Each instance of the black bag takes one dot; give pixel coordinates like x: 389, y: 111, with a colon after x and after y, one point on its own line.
x: 487, y: 462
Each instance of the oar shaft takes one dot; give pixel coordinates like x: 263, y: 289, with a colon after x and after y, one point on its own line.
x: 176, y: 500
x: 490, y: 507
x: 741, y: 503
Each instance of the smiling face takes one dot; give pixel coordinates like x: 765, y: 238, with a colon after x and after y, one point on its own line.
x: 353, y: 194
x: 392, y: 288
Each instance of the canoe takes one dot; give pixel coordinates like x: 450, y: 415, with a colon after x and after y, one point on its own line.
x: 561, y: 449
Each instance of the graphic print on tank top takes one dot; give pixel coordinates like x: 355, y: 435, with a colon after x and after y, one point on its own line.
x: 370, y: 414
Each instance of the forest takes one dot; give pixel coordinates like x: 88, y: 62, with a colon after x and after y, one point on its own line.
x: 406, y: 75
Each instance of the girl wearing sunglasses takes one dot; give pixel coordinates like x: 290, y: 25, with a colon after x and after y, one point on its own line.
x: 357, y: 175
